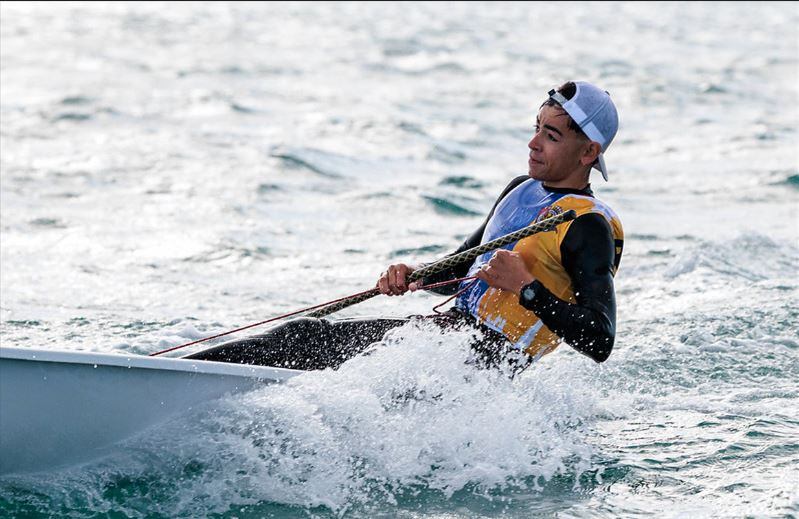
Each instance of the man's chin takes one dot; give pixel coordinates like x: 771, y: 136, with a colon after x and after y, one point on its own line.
x: 535, y: 174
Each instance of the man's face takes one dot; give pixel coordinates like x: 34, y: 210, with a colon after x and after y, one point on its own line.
x: 555, y: 150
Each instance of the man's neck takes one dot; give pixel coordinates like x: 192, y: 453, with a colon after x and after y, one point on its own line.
x: 578, y: 181
x: 585, y: 191
x: 577, y: 185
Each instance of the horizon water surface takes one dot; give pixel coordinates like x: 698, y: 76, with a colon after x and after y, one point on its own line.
x: 169, y: 171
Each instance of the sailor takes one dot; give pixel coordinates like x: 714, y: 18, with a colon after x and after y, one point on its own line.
x: 530, y: 296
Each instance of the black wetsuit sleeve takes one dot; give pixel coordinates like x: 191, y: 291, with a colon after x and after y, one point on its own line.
x: 589, y: 257
x: 473, y: 240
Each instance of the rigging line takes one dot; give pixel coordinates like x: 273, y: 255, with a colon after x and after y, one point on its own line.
x: 424, y: 287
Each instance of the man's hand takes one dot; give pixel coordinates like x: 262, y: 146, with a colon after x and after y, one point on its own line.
x: 506, y: 270
x: 393, y: 282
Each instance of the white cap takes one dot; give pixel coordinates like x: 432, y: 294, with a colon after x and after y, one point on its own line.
x: 594, y: 112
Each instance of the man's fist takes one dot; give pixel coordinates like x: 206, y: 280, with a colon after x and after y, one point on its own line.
x: 506, y: 270
x: 393, y: 282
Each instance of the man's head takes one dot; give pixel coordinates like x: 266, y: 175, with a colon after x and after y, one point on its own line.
x: 574, y: 127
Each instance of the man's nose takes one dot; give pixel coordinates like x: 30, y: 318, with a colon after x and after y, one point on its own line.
x: 533, y: 144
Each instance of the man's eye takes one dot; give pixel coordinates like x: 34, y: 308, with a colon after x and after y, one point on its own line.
x: 552, y: 137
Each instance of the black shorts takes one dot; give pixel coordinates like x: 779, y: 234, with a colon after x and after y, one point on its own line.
x: 309, y: 343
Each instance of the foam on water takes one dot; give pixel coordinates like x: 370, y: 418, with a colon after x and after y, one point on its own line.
x: 409, y: 418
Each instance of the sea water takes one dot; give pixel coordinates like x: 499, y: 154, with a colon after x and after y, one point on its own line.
x: 170, y: 171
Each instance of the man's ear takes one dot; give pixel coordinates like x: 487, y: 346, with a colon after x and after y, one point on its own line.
x: 590, y: 153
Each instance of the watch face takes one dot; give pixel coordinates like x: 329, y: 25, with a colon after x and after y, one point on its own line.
x: 528, y: 292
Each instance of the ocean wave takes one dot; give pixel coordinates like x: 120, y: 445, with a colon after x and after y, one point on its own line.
x: 229, y: 252
x: 323, y: 163
x: 454, y: 205
x: 464, y: 181
x: 752, y: 257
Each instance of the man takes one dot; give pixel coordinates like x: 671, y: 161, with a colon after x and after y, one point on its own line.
x: 530, y: 295
x: 555, y: 285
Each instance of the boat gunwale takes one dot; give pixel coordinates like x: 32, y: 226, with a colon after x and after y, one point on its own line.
x: 121, y: 360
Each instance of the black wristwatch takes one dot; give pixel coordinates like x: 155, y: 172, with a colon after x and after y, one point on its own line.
x: 527, y: 294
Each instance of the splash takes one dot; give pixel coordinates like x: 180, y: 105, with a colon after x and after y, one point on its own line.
x: 410, y: 417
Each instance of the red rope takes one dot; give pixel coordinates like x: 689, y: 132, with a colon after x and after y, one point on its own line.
x: 456, y: 294
x: 423, y: 287
x: 441, y: 284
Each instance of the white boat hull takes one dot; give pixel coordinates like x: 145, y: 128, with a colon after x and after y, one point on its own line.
x: 60, y: 408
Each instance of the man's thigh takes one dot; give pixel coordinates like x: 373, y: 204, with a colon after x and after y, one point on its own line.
x: 305, y: 343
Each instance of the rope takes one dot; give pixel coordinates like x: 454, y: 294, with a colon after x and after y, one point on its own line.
x: 441, y: 265
x: 447, y: 262
x: 424, y: 287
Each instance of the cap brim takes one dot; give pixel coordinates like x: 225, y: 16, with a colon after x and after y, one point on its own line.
x: 600, y: 165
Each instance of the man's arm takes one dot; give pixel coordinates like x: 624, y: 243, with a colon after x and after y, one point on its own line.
x: 587, y: 253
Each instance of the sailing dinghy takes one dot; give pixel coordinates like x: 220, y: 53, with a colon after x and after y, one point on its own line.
x: 59, y: 408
